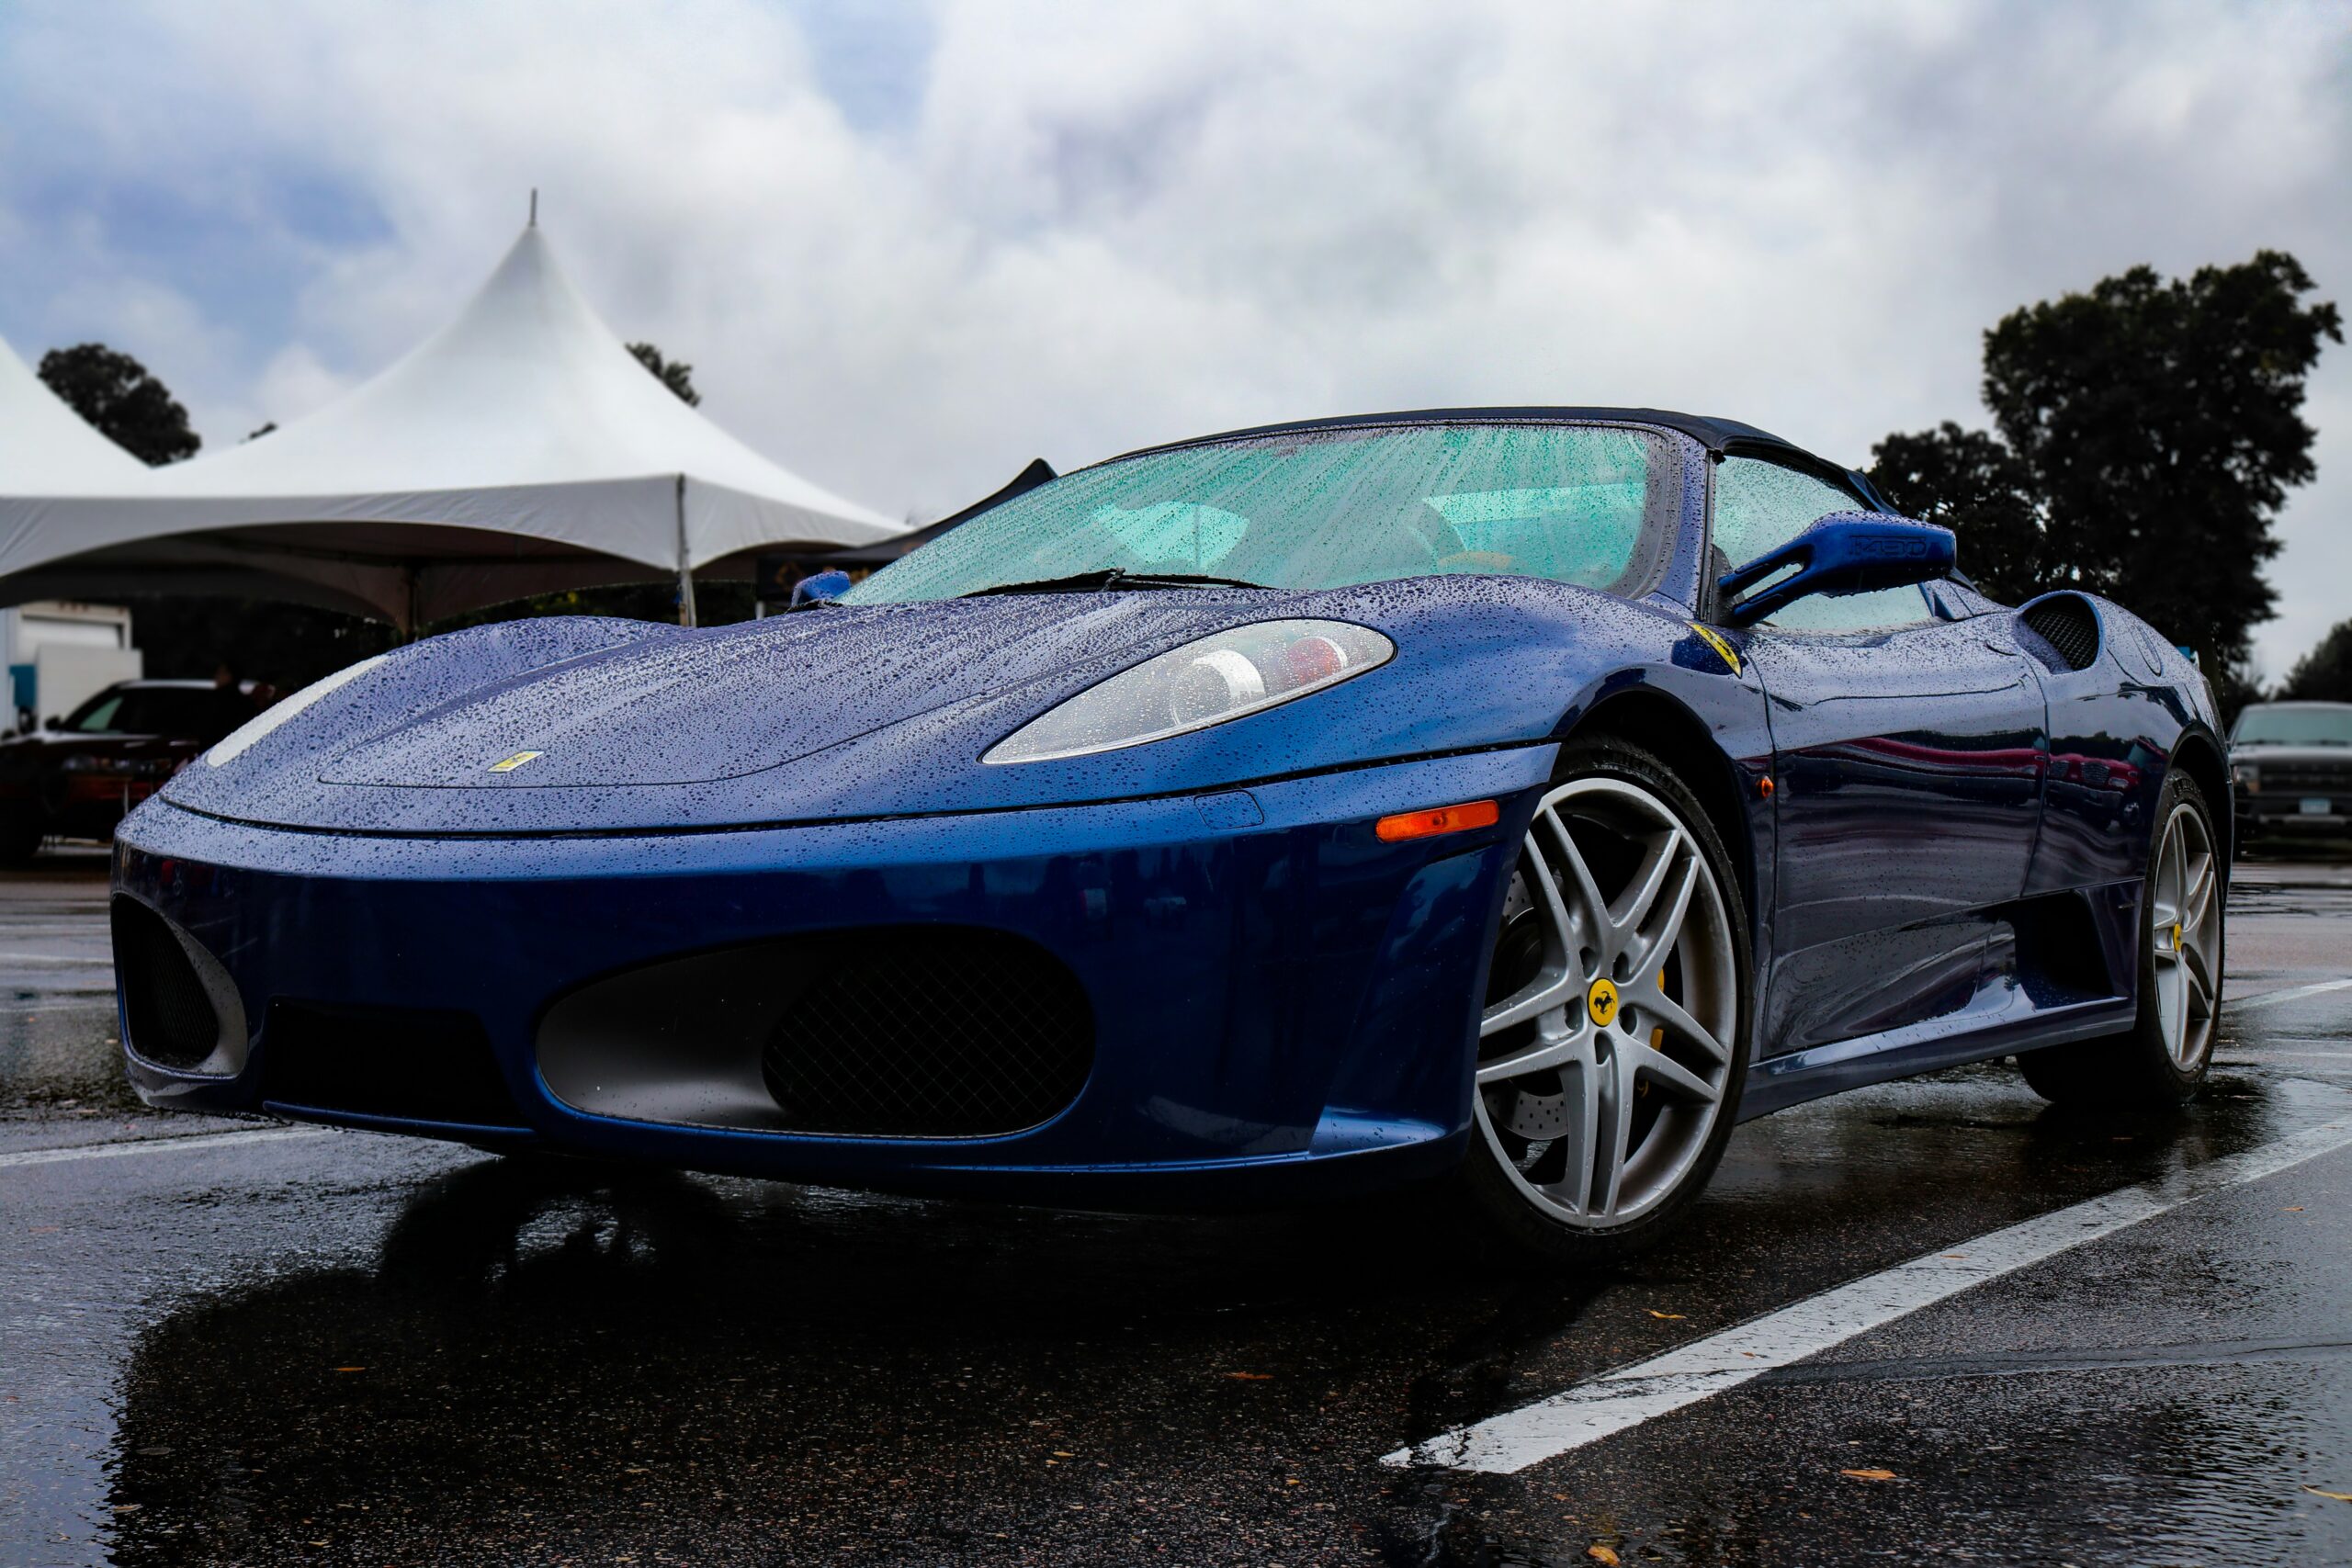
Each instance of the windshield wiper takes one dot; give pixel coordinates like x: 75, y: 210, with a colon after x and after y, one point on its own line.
x: 1114, y: 577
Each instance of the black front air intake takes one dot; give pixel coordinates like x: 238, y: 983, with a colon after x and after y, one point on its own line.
x: 916, y: 1033
x: 407, y: 1064
x: 170, y: 1017
x: 2068, y: 627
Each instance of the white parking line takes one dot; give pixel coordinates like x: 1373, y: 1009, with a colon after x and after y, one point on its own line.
x: 1506, y: 1444
x: 155, y: 1146
x: 2291, y: 993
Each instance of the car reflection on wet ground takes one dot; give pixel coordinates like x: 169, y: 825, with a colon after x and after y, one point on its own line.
x: 255, y: 1345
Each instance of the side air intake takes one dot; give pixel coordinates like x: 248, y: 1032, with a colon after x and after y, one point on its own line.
x: 2066, y: 627
x: 170, y: 1011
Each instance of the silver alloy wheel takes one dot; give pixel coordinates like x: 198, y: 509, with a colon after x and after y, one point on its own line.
x: 1602, y: 1068
x: 2184, y: 935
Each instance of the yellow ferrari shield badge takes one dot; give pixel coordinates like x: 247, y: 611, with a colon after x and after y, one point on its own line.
x: 1731, y: 654
x: 509, y: 764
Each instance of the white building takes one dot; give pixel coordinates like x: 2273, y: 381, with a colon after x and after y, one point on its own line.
x: 60, y: 653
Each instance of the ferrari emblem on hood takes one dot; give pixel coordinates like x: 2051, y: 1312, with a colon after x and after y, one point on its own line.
x: 509, y: 764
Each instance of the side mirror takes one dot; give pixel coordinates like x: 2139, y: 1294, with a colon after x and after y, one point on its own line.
x: 821, y: 587
x: 1846, y: 552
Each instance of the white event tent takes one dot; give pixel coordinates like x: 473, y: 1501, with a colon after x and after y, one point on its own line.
x: 521, y: 449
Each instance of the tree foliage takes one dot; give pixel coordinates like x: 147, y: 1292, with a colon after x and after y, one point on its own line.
x: 122, y: 400
x: 675, y: 374
x: 2324, y: 674
x: 2150, y: 429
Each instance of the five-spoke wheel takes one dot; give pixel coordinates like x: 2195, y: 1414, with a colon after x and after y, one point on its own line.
x: 2184, y: 935
x: 1610, y: 1045
x: 2162, y: 1058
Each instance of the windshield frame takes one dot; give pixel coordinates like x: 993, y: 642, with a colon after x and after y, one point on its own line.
x: 1676, y: 475
x: 2341, y: 713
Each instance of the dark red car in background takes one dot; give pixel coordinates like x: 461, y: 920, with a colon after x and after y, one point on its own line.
x: 82, y: 775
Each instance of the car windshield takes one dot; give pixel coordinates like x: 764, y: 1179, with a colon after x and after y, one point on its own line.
x: 188, y: 712
x: 2294, y: 727
x: 1587, y: 504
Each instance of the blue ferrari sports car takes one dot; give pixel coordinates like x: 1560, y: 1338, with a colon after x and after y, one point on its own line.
x: 1505, y: 802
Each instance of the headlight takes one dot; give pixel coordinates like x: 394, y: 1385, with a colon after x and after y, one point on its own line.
x: 1243, y: 670
x: 233, y: 745
x: 2248, y: 777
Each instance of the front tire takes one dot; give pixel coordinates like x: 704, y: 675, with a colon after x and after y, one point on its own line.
x: 2162, y: 1058
x: 1613, y: 1042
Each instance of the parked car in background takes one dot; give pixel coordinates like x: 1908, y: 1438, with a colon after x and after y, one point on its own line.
x: 2292, y: 762
x: 82, y: 773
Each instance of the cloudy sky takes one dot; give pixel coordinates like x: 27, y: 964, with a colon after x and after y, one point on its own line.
x: 908, y: 246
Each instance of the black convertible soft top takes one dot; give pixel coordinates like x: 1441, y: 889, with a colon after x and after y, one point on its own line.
x: 1715, y: 434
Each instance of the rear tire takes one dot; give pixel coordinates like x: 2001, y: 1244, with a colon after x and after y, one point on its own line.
x: 1613, y: 1038
x: 2162, y: 1058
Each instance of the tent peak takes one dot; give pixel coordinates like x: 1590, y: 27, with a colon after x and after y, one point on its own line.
x: 535, y: 208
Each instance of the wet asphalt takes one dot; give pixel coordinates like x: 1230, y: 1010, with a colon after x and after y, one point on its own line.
x: 347, y: 1349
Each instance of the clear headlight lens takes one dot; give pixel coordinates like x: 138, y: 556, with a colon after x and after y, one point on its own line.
x: 278, y: 713
x: 1243, y: 670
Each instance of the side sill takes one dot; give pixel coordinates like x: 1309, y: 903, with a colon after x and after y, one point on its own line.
x: 1949, y: 1042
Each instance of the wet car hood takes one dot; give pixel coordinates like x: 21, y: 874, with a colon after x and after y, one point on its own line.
x: 744, y: 699
x: 873, y: 711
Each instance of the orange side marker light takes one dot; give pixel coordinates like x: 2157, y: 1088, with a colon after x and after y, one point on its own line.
x: 1438, y: 819
x: 1764, y: 786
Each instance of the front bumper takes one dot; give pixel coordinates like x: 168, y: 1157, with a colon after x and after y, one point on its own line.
x: 2286, y: 812
x: 1284, y: 1005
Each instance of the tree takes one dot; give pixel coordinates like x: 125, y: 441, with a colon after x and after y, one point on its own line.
x: 2155, y: 427
x: 2324, y: 674
x: 2161, y: 422
x: 1971, y: 483
x: 115, y: 393
x: 675, y: 374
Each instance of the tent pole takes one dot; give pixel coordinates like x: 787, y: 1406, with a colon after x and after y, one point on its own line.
x: 685, y: 572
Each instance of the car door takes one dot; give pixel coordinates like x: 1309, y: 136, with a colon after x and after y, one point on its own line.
x: 1908, y: 755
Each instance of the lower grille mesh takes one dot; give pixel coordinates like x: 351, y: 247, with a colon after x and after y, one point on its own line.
x: 932, y: 1034
x: 170, y: 1017
x: 408, y: 1063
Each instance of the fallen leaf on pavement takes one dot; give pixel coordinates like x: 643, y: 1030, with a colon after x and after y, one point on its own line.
x: 1252, y: 1377
x: 1869, y: 1474
x: 351, y: 1369
x: 1654, y: 1312
x: 1600, y: 1554
x: 2292, y: 1208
